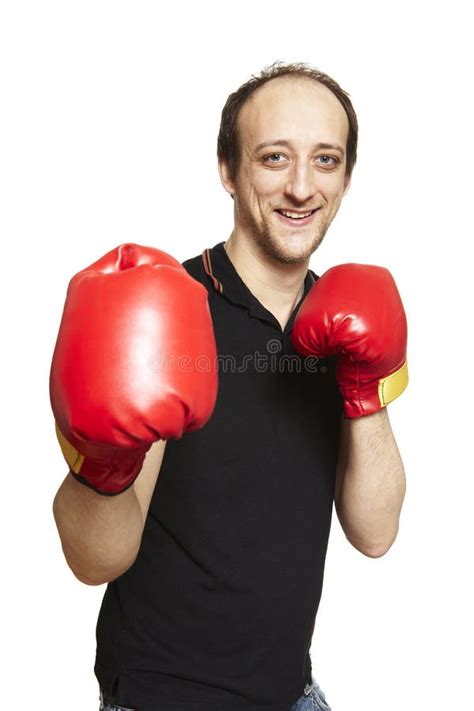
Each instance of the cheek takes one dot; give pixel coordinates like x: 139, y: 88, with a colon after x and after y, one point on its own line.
x: 259, y: 198
x: 263, y: 183
x: 249, y: 198
x: 334, y: 189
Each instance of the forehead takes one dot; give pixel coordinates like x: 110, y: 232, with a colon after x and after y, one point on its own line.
x: 300, y: 110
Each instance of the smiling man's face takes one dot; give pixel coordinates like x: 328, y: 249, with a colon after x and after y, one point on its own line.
x: 291, y: 177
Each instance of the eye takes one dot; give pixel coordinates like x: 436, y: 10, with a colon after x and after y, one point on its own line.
x: 273, y: 158
x: 328, y: 160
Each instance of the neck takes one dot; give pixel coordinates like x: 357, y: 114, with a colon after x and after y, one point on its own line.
x: 277, y: 286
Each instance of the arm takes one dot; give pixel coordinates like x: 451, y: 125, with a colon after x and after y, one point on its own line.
x: 101, y: 535
x: 118, y: 391
x: 354, y: 311
x: 370, y: 483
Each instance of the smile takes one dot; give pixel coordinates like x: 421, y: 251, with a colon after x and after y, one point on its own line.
x: 293, y: 217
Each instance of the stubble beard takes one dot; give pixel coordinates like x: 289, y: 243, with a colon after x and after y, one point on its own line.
x: 274, y: 247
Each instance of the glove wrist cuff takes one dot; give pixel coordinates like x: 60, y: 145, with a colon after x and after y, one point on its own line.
x: 107, y: 471
x: 366, y: 398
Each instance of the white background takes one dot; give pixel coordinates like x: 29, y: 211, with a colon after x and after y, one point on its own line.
x: 109, y: 119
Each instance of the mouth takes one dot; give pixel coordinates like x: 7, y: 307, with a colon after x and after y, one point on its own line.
x: 297, y: 218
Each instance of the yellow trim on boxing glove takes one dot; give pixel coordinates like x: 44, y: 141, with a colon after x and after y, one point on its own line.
x: 74, y: 458
x: 393, y: 385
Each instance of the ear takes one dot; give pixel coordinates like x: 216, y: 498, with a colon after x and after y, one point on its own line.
x: 224, y: 173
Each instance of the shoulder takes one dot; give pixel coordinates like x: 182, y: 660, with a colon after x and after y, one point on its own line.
x: 195, y: 267
x: 202, y: 266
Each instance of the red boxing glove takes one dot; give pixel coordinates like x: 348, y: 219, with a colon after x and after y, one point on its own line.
x: 355, y: 311
x: 134, y: 362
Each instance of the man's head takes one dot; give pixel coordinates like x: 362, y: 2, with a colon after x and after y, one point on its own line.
x: 287, y: 142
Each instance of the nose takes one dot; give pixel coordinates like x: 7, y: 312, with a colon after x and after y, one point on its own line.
x: 301, y: 184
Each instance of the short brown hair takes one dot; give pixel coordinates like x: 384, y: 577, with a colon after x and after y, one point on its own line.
x: 228, y: 148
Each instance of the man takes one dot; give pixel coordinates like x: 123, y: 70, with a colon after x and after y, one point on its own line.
x: 213, y: 544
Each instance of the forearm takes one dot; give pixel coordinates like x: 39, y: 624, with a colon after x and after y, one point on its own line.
x: 370, y: 485
x: 100, y: 535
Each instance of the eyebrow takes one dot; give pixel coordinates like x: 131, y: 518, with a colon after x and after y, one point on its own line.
x: 317, y: 146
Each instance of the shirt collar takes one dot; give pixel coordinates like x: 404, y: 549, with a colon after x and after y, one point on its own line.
x: 226, y: 280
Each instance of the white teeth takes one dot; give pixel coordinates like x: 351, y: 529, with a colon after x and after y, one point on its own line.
x: 295, y: 215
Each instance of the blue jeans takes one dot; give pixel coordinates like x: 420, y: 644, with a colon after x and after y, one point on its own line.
x: 313, y: 699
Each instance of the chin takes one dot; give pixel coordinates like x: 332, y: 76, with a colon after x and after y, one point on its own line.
x: 293, y: 250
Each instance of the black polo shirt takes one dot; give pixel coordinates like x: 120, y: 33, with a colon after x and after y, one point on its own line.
x: 217, y: 612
